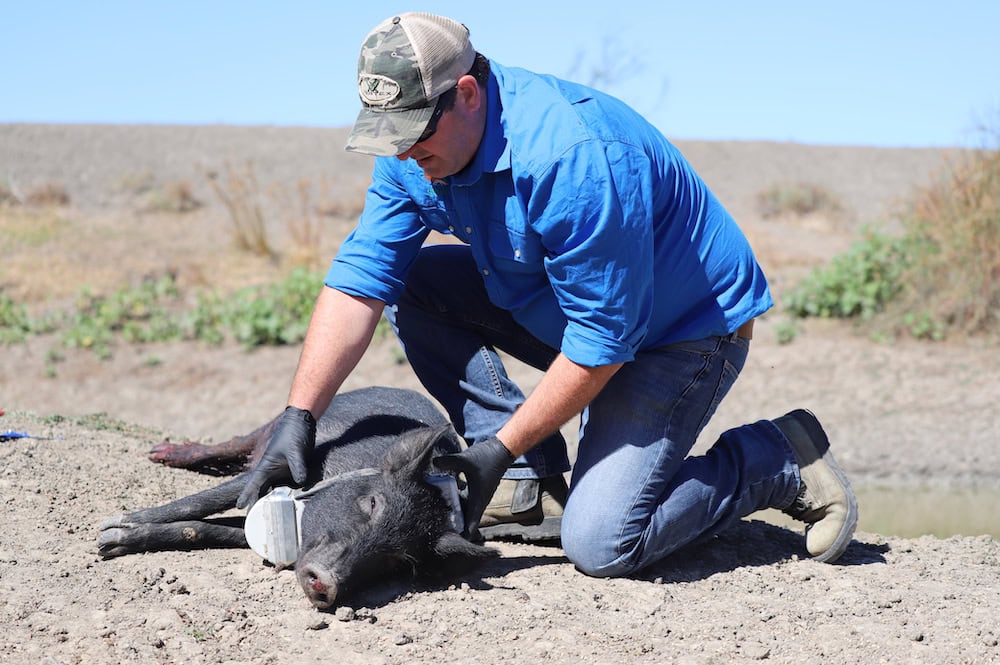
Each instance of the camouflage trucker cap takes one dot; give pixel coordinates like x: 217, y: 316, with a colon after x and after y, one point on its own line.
x: 406, y: 62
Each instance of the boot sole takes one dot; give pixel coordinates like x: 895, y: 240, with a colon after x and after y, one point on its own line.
x: 549, y: 529
x: 816, y: 433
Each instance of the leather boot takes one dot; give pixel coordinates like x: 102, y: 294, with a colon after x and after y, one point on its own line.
x: 825, y: 501
x: 528, y: 510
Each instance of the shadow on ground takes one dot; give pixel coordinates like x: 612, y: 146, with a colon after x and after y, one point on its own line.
x: 749, y: 543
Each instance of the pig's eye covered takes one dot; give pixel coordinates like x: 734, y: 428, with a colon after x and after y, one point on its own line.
x: 372, y: 505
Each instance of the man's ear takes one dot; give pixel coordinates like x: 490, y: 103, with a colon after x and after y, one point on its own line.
x: 469, y: 94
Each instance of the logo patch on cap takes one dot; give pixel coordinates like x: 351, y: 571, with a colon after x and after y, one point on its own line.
x: 377, y: 90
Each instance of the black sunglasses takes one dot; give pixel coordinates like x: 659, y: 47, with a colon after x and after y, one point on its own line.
x: 444, y: 102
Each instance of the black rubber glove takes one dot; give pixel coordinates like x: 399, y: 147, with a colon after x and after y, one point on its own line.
x: 483, y: 464
x: 285, y: 457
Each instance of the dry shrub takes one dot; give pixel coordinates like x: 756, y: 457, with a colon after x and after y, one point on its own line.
x: 47, y: 195
x: 6, y: 196
x: 954, y: 225
x: 240, y: 194
x: 797, y: 199
x: 136, y: 183
x: 302, y: 222
x: 345, y: 205
x: 175, y: 197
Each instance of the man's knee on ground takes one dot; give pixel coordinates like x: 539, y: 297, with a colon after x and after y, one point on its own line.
x: 595, y: 549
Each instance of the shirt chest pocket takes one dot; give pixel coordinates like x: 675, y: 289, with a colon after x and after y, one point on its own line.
x: 513, y: 250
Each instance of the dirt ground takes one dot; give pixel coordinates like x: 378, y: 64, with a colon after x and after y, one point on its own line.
x: 901, y: 416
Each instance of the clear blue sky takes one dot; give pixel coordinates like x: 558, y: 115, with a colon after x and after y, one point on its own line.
x: 887, y: 73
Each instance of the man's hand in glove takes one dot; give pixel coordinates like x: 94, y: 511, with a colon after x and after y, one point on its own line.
x: 285, y: 457
x: 483, y: 464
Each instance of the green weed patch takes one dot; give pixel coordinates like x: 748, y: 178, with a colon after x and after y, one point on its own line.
x: 156, y: 311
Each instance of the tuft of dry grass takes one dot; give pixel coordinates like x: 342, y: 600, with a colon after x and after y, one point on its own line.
x: 135, y: 182
x: 26, y: 228
x: 47, y: 195
x: 176, y: 197
x: 797, y: 199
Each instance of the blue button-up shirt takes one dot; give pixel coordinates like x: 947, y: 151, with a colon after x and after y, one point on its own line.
x: 585, y: 222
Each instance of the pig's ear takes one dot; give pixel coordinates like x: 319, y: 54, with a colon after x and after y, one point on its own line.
x: 412, y: 453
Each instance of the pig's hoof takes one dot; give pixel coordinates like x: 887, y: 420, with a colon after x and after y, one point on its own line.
x: 114, y: 542
x: 181, y: 455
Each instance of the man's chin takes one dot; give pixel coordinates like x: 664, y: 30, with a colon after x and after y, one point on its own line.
x: 433, y: 174
x: 427, y: 166
x: 435, y: 168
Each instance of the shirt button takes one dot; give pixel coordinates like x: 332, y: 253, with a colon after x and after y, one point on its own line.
x: 486, y: 272
x: 517, y: 253
x: 451, y: 228
x: 468, y: 229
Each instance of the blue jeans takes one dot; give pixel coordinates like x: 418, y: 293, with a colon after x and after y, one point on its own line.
x: 635, y: 494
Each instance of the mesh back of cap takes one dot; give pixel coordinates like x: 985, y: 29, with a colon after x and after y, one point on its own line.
x: 442, y: 48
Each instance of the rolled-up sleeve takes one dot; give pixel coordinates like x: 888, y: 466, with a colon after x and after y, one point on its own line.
x: 374, y: 259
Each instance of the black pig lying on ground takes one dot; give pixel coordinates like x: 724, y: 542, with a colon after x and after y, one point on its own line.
x: 354, y: 530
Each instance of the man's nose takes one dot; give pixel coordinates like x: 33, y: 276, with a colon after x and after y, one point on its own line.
x: 406, y: 154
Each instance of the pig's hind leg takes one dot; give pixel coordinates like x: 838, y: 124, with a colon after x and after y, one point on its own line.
x: 178, y: 525
x: 224, y: 458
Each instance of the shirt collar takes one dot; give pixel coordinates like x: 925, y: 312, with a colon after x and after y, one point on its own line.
x: 493, y: 154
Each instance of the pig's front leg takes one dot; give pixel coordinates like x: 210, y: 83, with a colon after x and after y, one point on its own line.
x: 176, y: 525
x: 132, y: 538
x: 196, y: 506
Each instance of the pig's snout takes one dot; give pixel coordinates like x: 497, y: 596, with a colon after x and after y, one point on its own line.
x: 319, y: 585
